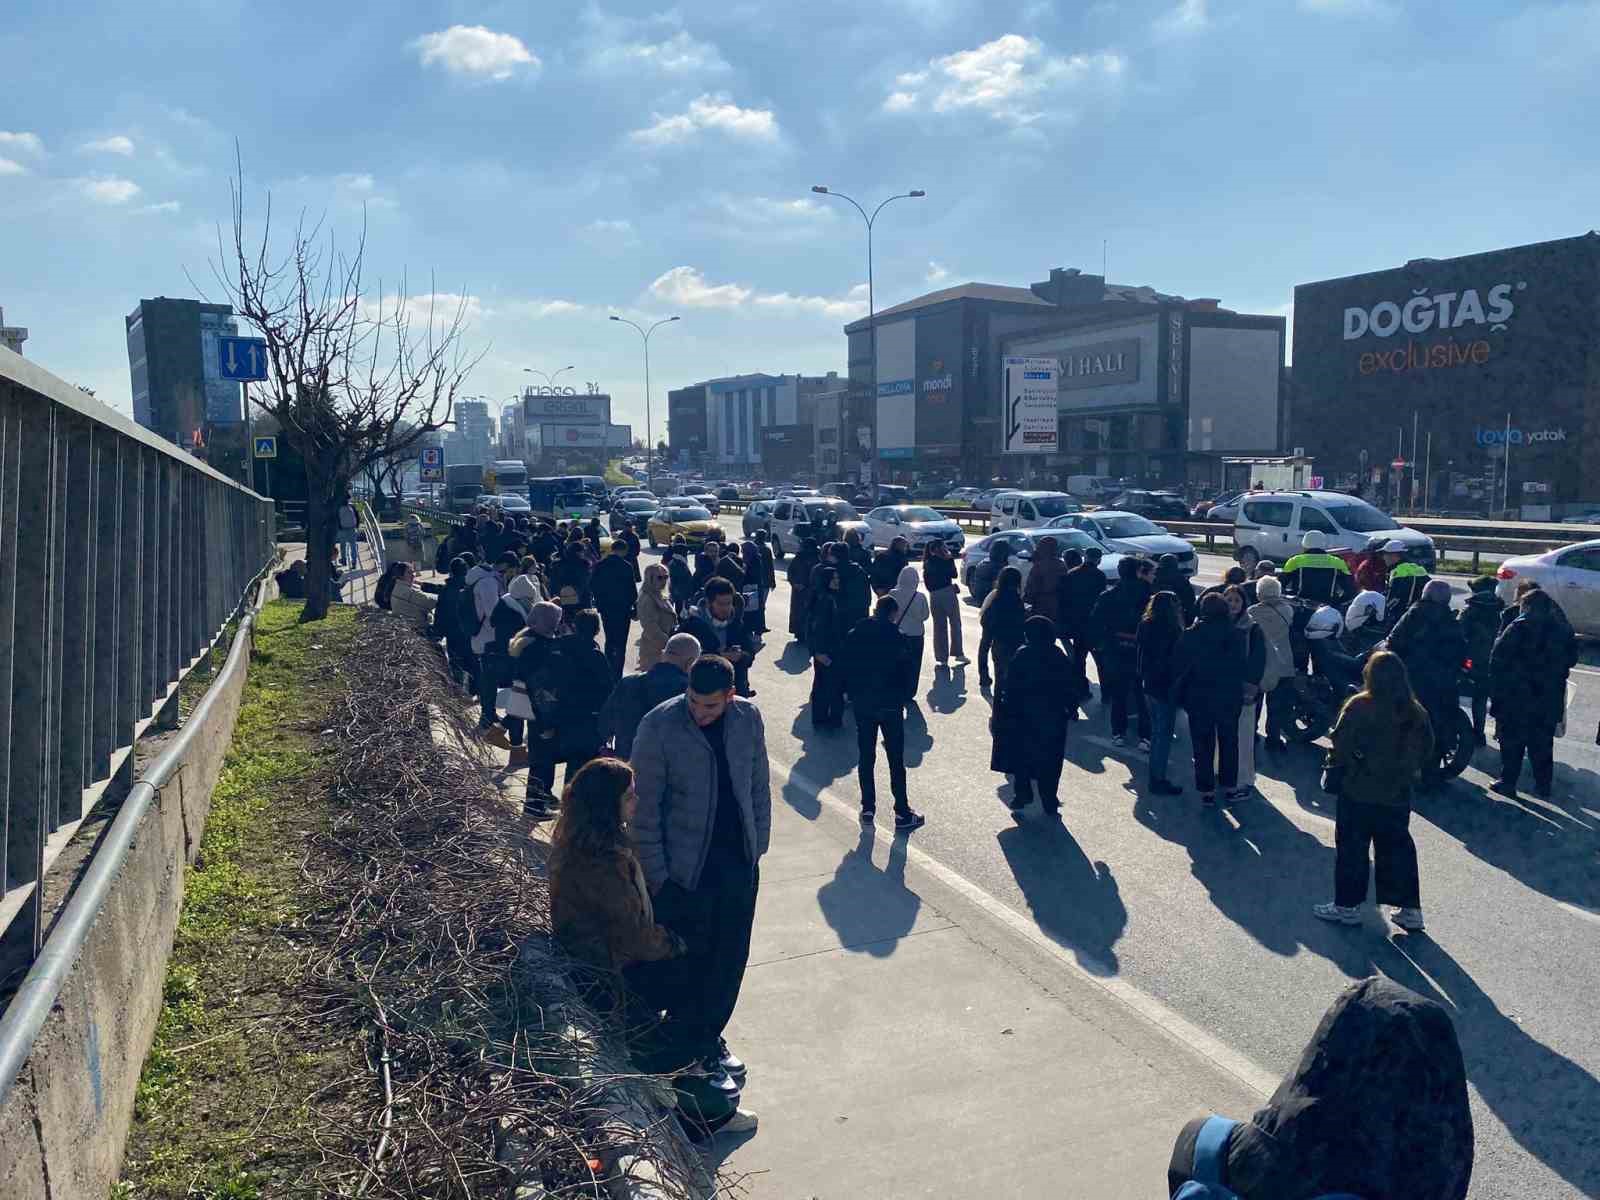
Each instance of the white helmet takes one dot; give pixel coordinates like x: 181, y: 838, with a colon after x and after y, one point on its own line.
x: 1324, y: 623
x: 1314, y: 540
x: 1367, y: 606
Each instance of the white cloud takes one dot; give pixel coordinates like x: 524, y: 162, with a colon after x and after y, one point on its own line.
x: 439, y: 307
x: 29, y: 143
x: 165, y: 206
x: 717, y: 113
x: 937, y: 272
x: 1350, y: 8
x: 475, y: 50
x: 768, y: 210
x: 680, y: 54
x: 358, y: 187
x: 688, y: 287
x: 1007, y: 78
x: 110, y: 190
x: 116, y: 144
x: 1189, y: 16
x: 12, y: 167
x: 538, y: 309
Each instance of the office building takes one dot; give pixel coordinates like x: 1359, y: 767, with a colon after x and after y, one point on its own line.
x: 11, y: 336
x: 178, y: 389
x: 723, y: 424
x: 1469, y: 384
x: 473, y: 439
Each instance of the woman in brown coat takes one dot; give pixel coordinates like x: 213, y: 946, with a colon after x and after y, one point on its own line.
x: 657, y: 618
x: 1379, y: 745
x: 599, y: 904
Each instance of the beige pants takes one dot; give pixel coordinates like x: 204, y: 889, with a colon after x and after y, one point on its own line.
x: 945, y: 608
x: 1247, y: 744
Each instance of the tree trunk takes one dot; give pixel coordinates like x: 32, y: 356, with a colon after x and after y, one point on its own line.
x: 322, y: 516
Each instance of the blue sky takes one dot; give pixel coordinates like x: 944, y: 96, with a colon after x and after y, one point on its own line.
x: 559, y: 161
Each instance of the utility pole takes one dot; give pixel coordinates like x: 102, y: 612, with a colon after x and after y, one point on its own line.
x: 649, y: 436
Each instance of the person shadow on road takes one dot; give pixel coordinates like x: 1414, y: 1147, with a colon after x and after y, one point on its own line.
x: 1074, y: 901
x: 870, y: 910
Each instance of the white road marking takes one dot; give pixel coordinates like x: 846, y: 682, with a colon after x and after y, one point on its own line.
x: 1176, y: 1026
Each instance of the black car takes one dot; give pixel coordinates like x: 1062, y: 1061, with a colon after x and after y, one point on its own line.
x: 635, y: 511
x: 727, y: 492
x: 1154, y: 505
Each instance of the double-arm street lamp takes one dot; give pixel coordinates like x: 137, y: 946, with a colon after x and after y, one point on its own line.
x: 872, y: 324
x: 549, y: 380
x: 649, y: 436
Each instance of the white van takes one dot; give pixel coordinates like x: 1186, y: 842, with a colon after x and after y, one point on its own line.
x: 1271, y: 525
x: 1029, y: 510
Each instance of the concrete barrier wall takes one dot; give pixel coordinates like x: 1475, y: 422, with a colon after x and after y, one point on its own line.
x: 64, y: 1124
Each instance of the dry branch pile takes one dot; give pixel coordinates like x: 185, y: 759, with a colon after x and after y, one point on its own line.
x: 432, y: 930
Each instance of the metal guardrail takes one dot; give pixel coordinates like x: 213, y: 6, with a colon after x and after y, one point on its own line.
x: 120, y: 559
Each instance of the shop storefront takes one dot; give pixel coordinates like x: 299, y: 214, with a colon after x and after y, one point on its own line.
x: 1457, y: 385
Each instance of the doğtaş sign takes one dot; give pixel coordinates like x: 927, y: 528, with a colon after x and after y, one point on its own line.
x: 1427, y: 309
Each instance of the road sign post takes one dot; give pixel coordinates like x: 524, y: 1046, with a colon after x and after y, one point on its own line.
x: 430, y: 464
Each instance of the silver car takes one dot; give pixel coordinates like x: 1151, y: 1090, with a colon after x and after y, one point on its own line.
x: 917, y: 523
x: 1570, y: 576
x: 1129, y: 533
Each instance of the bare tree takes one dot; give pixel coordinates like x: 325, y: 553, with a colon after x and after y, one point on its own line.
x: 356, y: 379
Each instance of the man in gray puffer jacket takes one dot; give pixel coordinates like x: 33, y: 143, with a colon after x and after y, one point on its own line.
x: 702, y: 822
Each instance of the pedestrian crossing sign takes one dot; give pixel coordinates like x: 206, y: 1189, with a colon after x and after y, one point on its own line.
x: 266, y: 447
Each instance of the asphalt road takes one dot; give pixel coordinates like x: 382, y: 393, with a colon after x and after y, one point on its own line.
x: 1209, y: 912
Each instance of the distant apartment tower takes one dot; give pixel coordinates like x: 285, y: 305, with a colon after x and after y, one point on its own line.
x: 473, y: 438
x: 11, y: 336
x: 178, y: 387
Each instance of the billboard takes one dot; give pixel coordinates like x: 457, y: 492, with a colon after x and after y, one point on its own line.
x: 573, y: 437
x: 619, y: 437
x: 786, y: 450
x: 538, y: 407
x: 1028, y: 399
x: 897, y: 389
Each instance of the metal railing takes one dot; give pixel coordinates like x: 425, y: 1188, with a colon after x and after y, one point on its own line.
x: 121, y: 558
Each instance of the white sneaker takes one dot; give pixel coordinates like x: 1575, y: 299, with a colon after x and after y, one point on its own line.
x: 742, y: 1121
x: 1338, y: 914
x: 1408, y: 919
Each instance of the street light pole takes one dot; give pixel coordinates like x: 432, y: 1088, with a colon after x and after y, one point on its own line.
x: 872, y: 308
x: 649, y: 436
x: 549, y: 380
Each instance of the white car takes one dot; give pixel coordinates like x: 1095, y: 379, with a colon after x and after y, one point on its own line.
x: 917, y: 523
x: 823, y: 517
x: 1022, y: 542
x: 1271, y: 525
x: 1571, y: 577
x: 1029, y: 510
x: 963, y: 495
x: 1129, y: 533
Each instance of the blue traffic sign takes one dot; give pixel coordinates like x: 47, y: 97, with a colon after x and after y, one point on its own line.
x: 242, y: 359
x: 267, y: 447
x: 432, y: 456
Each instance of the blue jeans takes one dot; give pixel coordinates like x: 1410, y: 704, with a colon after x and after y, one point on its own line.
x: 347, y: 545
x: 1163, y: 719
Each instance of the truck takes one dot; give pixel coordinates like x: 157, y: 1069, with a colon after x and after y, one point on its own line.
x: 463, y: 483
x: 506, y: 475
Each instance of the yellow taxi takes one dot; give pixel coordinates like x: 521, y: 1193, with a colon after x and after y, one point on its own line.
x: 691, y: 522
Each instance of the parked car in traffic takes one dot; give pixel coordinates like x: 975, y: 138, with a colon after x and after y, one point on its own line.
x: 727, y: 492
x: 635, y: 511
x: 1155, y: 505
x: 1570, y: 576
x: 917, y: 523
x: 1223, y: 508
x: 962, y: 495
x: 1022, y: 543
x: 1271, y: 525
x: 1029, y: 510
x: 693, y: 522
x: 825, y: 518
x: 1129, y: 533
x: 757, y: 516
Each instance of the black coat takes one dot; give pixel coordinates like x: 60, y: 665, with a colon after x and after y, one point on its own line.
x: 584, y: 683
x: 635, y: 695
x: 826, y: 627
x: 729, y: 568
x: 801, y: 568
x: 885, y: 572
x: 1170, y: 579
x: 1156, y: 645
x: 873, y: 653
x: 446, y: 614
x: 1432, y: 646
x: 855, y: 592
x: 715, y: 641
x: 1031, y: 711
x: 1528, y: 671
x: 1114, y: 619
x: 1479, y: 620
x: 1080, y: 588
x: 1211, y: 667
x: 938, y: 573
x: 573, y: 571
x: 680, y: 582
x: 612, y: 586
x: 1004, y: 615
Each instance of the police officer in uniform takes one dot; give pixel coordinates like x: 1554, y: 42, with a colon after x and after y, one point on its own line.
x: 1314, y: 574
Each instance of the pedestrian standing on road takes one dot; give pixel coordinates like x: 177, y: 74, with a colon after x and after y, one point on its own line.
x: 1274, y: 617
x: 629, y: 537
x: 859, y: 554
x: 1381, y: 744
x: 600, y: 908
x: 638, y: 693
x: 702, y: 822
x: 987, y: 573
x: 1042, y: 594
x: 1234, y: 576
x: 535, y: 658
x: 730, y: 567
x: 855, y: 590
x: 1209, y: 669
x: 1250, y: 701
x: 545, y: 544
x: 509, y: 618
x: 799, y: 572
x: 1432, y: 646
x: 1115, y: 622
x: 705, y: 564
x: 1170, y: 578
x: 718, y: 624
x: 1001, y: 621
x: 944, y: 604
x: 872, y: 664
x: 680, y: 575
x: 615, y: 596
x: 1479, y: 619
x: 1081, y: 586
x: 457, y: 637
x: 756, y: 585
x: 348, y: 520
x: 1528, y: 685
x: 657, y: 617
x: 1032, y: 711
x: 1155, y: 650
x: 825, y: 639
x: 485, y: 586
x: 584, y: 682
x: 911, y: 618
x: 571, y: 579
x: 1376, y: 1107
x: 885, y: 570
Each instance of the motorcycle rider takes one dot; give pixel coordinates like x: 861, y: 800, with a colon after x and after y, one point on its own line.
x: 1373, y: 566
x: 1363, y: 622
x: 1480, y: 625
x: 1431, y: 645
x: 1314, y: 574
x: 1406, y: 582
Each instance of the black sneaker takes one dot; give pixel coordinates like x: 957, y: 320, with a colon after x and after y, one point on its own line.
x: 905, y: 822
x: 868, y: 815
x: 536, y: 810
x: 731, y: 1062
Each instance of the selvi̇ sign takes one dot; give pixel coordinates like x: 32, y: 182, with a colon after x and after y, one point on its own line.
x: 1028, y: 398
